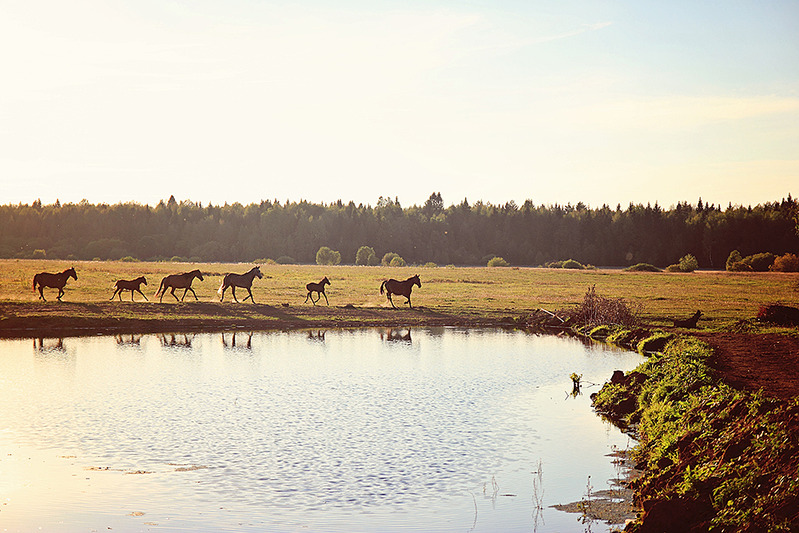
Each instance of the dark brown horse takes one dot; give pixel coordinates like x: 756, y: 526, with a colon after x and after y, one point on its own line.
x: 318, y: 288
x: 403, y: 288
x: 239, y: 280
x: 129, y: 285
x: 179, y: 281
x: 53, y: 281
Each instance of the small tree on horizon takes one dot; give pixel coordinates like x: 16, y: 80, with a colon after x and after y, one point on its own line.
x: 326, y: 256
x: 366, y: 256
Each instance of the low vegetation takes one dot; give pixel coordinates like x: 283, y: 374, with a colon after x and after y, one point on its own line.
x: 714, y: 459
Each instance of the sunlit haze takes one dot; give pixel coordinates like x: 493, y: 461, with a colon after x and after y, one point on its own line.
x: 244, y: 100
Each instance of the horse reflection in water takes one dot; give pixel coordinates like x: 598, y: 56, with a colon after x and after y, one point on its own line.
x: 392, y: 335
x: 42, y: 345
x: 175, y: 341
x: 316, y: 336
x: 233, y: 346
x: 128, y: 340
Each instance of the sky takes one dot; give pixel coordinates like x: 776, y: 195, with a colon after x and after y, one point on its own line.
x: 600, y: 102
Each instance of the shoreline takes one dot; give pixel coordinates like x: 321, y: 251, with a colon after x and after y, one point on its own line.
x: 34, y: 320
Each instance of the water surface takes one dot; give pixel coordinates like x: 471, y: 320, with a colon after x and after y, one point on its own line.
x: 437, y: 429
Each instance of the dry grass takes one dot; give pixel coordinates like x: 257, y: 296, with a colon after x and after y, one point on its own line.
x: 464, y: 291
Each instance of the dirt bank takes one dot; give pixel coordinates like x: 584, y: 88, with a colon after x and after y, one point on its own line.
x: 35, y: 319
x: 748, y: 361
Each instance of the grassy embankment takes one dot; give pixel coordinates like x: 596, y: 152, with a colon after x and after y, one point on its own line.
x: 449, y: 295
x: 714, y: 458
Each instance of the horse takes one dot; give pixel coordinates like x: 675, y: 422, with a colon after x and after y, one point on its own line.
x: 687, y: 322
x: 239, y: 280
x: 129, y: 285
x: 53, y: 281
x: 318, y: 288
x: 403, y: 288
x: 179, y: 281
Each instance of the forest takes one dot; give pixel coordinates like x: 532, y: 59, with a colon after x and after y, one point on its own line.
x: 461, y: 234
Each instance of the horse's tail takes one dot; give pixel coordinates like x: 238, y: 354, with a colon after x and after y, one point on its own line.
x: 381, y: 287
x: 222, y: 286
x: 35, y: 279
x: 162, y: 287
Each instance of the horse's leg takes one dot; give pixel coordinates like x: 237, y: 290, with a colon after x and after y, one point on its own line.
x: 409, y: 301
x: 306, y: 298
x: 115, y: 293
x: 325, y: 295
x: 224, y: 288
x: 172, y: 290
x: 41, y: 293
x: 390, y: 300
x: 312, y: 300
x: 233, y: 292
x: 60, y: 293
x: 194, y: 293
x: 140, y: 292
x: 249, y: 290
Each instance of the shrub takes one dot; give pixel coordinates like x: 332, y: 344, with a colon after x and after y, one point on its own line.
x: 38, y: 254
x: 366, y: 256
x: 286, y: 260
x: 129, y: 259
x: 673, y: 268
x: 326, y: 256
x: 642, y: 267
x: 554, y: 264
x: 397, y: 261
x: 734, y: 257
x: 178, y: 259
x: 596, y: 310
x: 430, y: 264
x: 688, y: 263
x: 759, y: 262
x: 571, y: 263
x: 497, y: 262
x: 388, y: 257
x: 786, y: 263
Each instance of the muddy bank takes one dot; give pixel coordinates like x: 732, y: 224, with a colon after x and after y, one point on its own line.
x: 34, y: 319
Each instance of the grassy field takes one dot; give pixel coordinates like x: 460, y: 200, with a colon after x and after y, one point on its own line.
x: 452, y: 291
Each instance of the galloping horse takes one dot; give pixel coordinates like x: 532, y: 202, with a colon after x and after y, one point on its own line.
x: 129, y: 285
x: 403, y: 288
x: 239, y: 280
x: 318, y: 288
x: 54, y: 281
x: 179, y: 281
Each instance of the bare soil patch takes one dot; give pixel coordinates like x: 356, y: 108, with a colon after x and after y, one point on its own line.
x: 749, y: 361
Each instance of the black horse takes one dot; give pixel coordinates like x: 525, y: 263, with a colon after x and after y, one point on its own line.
x: 403, y: 288
x: 53, y: 281
x: 239, y: 280
x: 318, y: 288
x: 179, y: 281
x: 129, y: 285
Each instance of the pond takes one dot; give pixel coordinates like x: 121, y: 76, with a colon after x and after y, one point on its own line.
x: 439, y: 429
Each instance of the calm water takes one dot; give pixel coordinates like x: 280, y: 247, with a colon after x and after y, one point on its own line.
x: 352, y: 430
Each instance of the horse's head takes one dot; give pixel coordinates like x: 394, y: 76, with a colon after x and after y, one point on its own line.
x: 198, y: 274
x: 142, y: 279
x: 257, y: 271
x: 417, y: 281
x: 325, y: 281
x: 71, y: 273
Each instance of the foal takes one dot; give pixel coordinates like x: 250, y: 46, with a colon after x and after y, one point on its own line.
x: 318, y: 288
x: 129, y: 285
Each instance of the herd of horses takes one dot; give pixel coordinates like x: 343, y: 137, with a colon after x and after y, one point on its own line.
x: 229, y: 281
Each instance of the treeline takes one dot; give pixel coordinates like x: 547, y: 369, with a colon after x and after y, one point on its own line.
x: 461, y: 234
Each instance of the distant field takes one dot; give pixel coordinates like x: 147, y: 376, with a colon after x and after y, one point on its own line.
x: 464, y: 291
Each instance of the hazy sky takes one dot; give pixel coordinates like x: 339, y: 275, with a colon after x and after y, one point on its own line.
x: 554, y: 101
